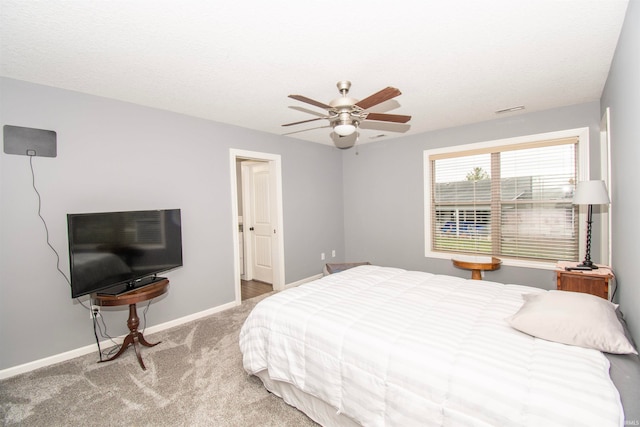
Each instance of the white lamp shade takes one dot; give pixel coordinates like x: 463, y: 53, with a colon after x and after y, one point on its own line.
x: 591, y: 193
x: 344, y: 129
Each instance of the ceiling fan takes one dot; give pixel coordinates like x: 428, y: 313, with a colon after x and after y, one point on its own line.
x: 345, y: 114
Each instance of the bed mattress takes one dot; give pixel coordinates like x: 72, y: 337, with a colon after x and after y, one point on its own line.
x: 389, y: 347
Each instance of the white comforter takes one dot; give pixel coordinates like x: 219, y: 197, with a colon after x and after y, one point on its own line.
x: 389, y: 347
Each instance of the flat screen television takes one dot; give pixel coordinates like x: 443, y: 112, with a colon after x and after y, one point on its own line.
x: 117, y: 252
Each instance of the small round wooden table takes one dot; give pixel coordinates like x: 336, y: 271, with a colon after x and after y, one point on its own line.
x: 477, y: 265
x: 132, y: 298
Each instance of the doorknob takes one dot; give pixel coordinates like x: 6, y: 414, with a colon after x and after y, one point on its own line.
x: 250, y: 228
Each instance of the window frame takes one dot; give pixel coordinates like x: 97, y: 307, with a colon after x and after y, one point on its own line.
x: 582, y: 175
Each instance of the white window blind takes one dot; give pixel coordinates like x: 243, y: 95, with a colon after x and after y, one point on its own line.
x: 513, y: 201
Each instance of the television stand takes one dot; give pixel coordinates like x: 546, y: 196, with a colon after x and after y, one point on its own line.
x: 142, y: 294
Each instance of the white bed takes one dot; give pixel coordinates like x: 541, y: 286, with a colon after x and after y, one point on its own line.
x: 383, y: 346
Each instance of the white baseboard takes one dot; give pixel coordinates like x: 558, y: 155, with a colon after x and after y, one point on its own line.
x: 71, y: 354
x: 302, y: 281
x: 68, y: 355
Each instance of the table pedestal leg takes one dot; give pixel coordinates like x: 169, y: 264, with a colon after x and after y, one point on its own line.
x: 133, y: 338
x: 476, y: 274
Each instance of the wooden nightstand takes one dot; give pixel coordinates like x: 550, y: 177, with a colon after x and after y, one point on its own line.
x: 594, y: 282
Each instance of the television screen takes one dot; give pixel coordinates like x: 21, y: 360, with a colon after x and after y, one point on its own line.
x: 115, y: 252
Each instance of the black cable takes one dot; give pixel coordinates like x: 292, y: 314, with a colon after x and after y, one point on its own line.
x: 144, y: 316
x: 46, y: 229
x: 95, y: 333
x: 111, y: 350
x: 105, y: 334
x: 613, y: 294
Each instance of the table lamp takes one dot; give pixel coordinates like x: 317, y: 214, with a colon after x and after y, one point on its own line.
x: 590, y: 193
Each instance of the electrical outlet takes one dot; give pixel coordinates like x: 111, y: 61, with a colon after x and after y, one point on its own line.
x: 95, y: 309
x: 322, y: 256
x: 333, y: 253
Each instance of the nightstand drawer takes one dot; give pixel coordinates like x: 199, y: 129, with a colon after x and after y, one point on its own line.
x: 599, y: 281
x: 590, y: 283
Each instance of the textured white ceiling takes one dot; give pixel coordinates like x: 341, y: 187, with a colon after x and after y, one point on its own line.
x: 456, y: 62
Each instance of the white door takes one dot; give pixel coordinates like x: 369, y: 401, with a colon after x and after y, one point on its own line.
x: 259, y: 218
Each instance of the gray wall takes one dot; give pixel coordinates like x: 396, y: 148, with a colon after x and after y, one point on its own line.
x: 384, y: 191
x: 119, y: 156
x: 622, y: 96
x: 114, y: 156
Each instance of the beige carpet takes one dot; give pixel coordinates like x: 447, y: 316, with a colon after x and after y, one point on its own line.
x: 194, y: 377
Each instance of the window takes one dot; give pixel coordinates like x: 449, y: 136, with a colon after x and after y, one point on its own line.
x: 509, y: 198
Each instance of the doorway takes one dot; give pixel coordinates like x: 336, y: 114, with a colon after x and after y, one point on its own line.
x: 256, y: 187
x: 253, y: 288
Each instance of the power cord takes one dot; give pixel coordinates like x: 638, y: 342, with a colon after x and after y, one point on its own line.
x: 104, y: 334
x: 95, y: 333
x: 615, y: 289
x: 144, y: 316
x: 96, y: 328
x: 46, y: 228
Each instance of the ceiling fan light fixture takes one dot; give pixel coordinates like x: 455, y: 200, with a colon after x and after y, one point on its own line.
x: 344, y: 129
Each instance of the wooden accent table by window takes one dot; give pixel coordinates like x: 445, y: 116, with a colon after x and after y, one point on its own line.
x: 594, y: 282
x: 132, y: 298
x: 477, y: 264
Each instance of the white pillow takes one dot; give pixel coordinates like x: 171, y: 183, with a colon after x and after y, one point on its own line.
x: 572, y: 318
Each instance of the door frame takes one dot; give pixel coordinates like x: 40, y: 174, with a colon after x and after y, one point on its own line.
x: 275, y: 163
x: 606, y: 245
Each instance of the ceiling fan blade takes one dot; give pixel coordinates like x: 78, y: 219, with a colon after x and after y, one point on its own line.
x: 384, y: 127
x: 314, y: 113
x: 396, y: 118
x: 379, y: 97
x: 305, y: 130
x: 304, y: 121
x: 310, y: 101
